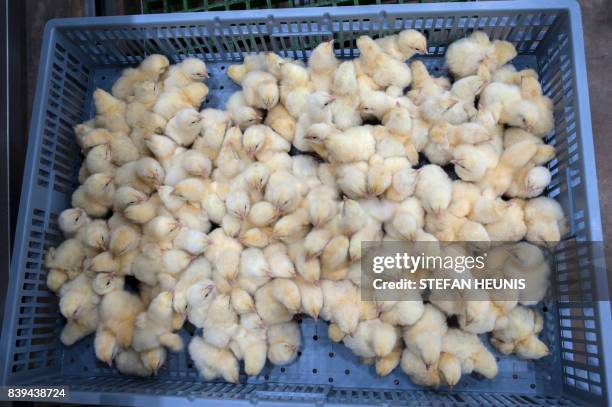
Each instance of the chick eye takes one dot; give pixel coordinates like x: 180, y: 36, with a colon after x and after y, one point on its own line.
x: 107, y: 283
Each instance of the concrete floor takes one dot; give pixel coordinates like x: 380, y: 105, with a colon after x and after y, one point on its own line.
x: 597, y: 22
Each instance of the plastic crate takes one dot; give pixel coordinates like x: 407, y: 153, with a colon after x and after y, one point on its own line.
x: 82, y: 54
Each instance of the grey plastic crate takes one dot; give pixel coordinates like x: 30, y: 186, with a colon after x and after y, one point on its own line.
x: 82, y: 54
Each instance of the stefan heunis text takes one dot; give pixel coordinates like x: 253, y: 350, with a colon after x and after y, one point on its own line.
x: 451, y: 284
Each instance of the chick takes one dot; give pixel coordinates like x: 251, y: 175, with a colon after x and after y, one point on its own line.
x: 276, y: 254
x: 184, y: 73
x: 545, y: 152
x: 173, y: 100
x: 530, y: 181
x: 279, y: 119
x: 509, y: 74
x: 192, y: 190
x: 372, y: 338
x: 71, y: 220
x: 424, y: 86
x: 95, y: 195
x: 262, y: 213
x: 418, y: 371
x: 144, y: 97
x: 79, y: 305
x: 470, y: 352
x: 95, y: 236
x: 334, y: 256
x: 213, y: 362
x: 99, y: 160
x: 250, y: 343
x: 476, y: 54
x: 545, y: 221
x: 241, y: 301
x: 519, y: 106
x: 68, y: 256
x: 384, y: 69
x: 146, y: 174
x: 403, y: 184
x: 284, y: 340
x: 340, y: 304
x: 118, y: 311
x: 150, y: 69
x: 386, y: 364
x: 187, y: 164
x: 242, y: 114
x: 198, y: 270
x: 255, y: 62
x: 184, y: 127
x: 404, y: 45
x: 153, y: 328
x: 322, y: 65
x: 407, y: 220
x: 438, y: 198
x: 254, y: 269
x: 498, y: 179
x: 199, y: 298
x: 110, y: 112
x: 260, y: 90
x: 354, y: 144
x: 520, y: 334
x: 404, y: 312
x: 278, y: 300
x: 221, y: 322
x: 345, y: 80
x: 424, y: 338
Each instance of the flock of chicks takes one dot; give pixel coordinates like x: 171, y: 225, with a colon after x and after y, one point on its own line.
x: 221, y: 226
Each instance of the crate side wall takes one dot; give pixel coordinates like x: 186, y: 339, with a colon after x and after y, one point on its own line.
x: 581, y: 335
x: 31, y: 336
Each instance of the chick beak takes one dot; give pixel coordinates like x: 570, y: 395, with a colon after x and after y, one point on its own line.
x: 315, y: 316
x: 109, y: 362
x: 332, y: 98
x: 424, y: 51
x: 206, y: 75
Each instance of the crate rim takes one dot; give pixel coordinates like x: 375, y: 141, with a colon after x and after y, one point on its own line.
x: 423, y: 9
x: 420, y: 10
